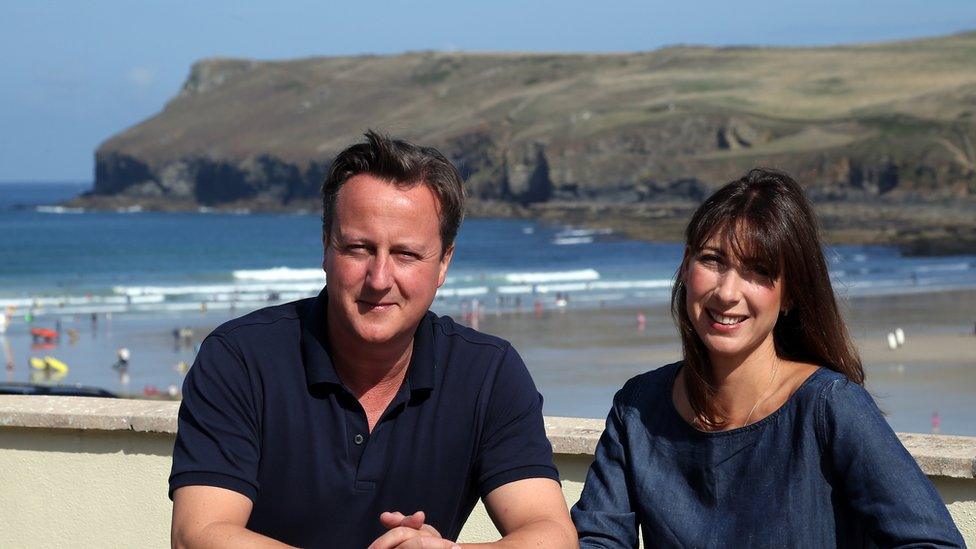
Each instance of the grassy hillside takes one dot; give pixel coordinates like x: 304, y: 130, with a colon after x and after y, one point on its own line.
x: 891, y: 122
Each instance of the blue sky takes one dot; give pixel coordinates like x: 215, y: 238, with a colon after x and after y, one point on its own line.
x: 74, y: 73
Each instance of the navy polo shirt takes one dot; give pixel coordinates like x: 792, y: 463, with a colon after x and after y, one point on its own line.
x: 265, y: 414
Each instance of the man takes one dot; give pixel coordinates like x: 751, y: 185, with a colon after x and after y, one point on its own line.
x: 359, y: 418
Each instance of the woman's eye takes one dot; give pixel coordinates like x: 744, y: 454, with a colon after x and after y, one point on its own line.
x: 709, y: 259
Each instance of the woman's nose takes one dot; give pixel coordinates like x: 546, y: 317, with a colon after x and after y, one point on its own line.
x: 729, y: 288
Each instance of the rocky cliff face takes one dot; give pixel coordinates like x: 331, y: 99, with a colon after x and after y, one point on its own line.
x: 894, y: 121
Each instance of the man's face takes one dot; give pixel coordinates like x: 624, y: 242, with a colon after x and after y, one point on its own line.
x: 383, y: 260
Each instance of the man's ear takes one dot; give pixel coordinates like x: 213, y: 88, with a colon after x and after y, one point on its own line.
x: 445, y: 263
x: 325, y: 249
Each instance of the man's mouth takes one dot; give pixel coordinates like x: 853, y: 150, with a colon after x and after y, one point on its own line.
x: 726, y: 320
x: 376, y: 305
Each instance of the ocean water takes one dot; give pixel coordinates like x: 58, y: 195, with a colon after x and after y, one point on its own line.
x: 54, y: 260
x: 568, y: 298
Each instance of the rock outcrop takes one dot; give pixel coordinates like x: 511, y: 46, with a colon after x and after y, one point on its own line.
x: 891, y: 123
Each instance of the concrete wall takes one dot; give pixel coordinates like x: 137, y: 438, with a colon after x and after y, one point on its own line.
x: 78, y: 472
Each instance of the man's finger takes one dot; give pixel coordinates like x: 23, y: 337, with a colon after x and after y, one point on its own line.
x: 391, y: 519
x: 397, y: 536
x: 428, y: 543
x: 415, y: 521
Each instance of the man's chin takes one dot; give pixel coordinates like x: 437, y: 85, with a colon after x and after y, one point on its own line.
x: 375, y: 334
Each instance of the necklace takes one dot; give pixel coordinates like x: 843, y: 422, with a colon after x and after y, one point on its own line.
x: 763, y: 396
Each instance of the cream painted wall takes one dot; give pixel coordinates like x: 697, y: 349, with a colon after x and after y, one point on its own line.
x: 74, y: 488
x: 63, y: 488
x: 960, y: 497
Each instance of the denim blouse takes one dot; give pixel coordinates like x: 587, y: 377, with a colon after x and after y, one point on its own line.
x: 824, y: 470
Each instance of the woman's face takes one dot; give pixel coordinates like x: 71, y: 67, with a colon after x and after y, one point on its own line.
x: 732, y: 306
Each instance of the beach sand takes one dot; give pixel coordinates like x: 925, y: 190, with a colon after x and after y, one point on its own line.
x: 580, y: 357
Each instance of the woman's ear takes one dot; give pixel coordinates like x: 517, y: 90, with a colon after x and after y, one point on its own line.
x: 683, y: 267
x: 785, y: 305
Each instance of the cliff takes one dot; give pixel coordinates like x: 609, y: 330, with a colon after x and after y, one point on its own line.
x: 884, y: 125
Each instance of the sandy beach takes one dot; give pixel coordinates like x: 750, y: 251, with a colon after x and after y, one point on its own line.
x: 580, y: 357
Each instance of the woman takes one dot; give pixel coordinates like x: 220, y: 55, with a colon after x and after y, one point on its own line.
x: 763, y: 435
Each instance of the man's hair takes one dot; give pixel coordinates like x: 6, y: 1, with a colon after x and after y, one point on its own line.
x: 404, y: 165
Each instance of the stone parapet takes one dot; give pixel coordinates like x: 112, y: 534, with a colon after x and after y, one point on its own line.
x: 937, y: 455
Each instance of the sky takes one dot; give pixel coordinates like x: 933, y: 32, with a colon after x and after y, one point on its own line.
x: 75, y: 73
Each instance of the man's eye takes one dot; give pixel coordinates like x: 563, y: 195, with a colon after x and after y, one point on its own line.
x: 407, y: 254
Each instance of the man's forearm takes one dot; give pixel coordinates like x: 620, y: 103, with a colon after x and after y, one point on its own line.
x: 542, y: 533
x: 224, y: 535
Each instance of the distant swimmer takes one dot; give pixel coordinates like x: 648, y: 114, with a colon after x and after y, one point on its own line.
x: 641, y: 321
x: 936, y: 422
x: 7, y: 353
x: 122, y: 363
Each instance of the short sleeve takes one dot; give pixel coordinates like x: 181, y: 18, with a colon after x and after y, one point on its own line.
x: 897, y: 504
x: 513, y: 444
x: 605, y: 516
x: 217, y: 439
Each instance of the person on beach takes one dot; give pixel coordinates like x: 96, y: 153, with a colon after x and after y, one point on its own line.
x: 359, y: 418
x: 763, y: 436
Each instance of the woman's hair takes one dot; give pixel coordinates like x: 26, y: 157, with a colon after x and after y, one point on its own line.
x: 765, y: 220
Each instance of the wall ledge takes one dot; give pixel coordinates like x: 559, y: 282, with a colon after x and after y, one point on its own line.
x: 87, y: 413
x: 937, y: 455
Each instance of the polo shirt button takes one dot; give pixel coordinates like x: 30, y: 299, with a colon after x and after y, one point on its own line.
x: 358, y: 439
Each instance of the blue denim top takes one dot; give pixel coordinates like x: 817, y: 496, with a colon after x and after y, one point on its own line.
x: 824, y: 470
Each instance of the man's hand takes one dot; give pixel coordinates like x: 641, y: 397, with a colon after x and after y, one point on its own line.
x: 410, y: 532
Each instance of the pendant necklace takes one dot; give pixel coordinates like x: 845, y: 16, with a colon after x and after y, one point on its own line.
x: 763, y: 396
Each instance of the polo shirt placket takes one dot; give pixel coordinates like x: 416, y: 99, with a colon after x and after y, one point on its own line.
x: 366, y: 451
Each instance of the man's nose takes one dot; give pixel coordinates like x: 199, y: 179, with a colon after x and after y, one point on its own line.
x: 379, y: 276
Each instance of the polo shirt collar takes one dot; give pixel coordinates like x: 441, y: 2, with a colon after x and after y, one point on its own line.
x: 318, y: 364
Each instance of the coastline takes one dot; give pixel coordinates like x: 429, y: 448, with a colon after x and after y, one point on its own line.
x: 579, y: 357
x: 915, y: 228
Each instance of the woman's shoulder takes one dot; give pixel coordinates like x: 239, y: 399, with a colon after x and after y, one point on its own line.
x: 831, y: 388
x: 840, y: 405
x: 645, y: 387
x: 823, y: 383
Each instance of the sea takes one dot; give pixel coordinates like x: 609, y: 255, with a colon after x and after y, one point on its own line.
x: 141, y: 276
